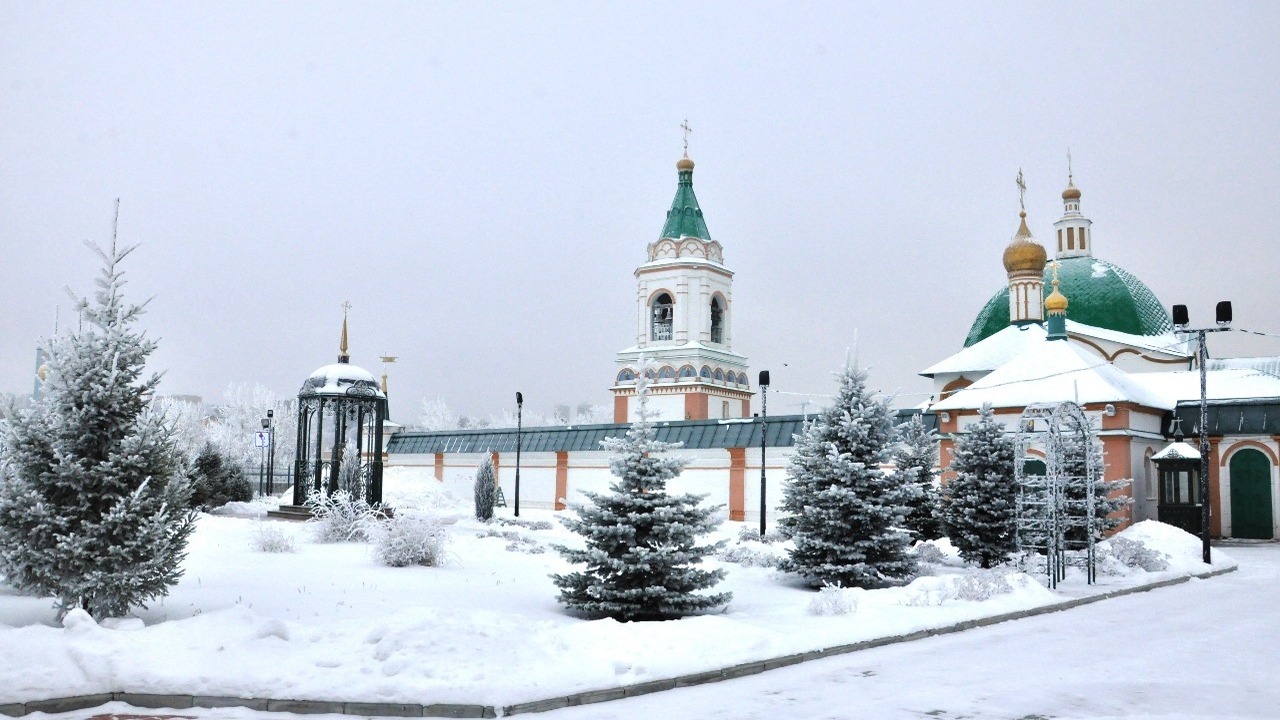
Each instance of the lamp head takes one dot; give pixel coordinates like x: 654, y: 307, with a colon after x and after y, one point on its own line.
x: 1223, y: 313
x: 1180, y: 317
x: 764, y: 378
x: 519, y: 399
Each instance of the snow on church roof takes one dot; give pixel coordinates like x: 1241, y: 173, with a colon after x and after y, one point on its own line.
x: 994, y: 351
x: 1054, y: 371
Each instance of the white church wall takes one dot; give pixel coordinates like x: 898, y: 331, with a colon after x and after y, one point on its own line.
x: 663, y: 407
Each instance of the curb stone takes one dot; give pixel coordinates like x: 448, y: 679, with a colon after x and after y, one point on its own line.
x: 589, y: 697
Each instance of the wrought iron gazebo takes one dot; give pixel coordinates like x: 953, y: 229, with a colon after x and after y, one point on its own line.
x: 341, y: 411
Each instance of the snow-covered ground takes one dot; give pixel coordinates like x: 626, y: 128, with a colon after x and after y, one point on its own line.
x: 328, y: 622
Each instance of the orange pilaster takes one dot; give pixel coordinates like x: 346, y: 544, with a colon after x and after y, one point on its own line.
x: 619, y: 408
x: 440, y: 466
x: 1118, y: 460
x: 695, y: 406
x: 746, y: 408
x: 737, y: 484
x: 562, y: 478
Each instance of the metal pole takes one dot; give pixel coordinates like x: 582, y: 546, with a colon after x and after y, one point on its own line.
x: 519, y: 422
x: 271, y: 453
x: 764, y: 426
x: 1204, y: 450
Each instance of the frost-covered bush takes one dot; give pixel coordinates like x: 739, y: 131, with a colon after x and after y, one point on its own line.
x: 486, y: 491
x: 928, y: 553
x: 526, y: 524
x: 410, y: 538
x: 515, y: 541
x: 748, y: 534
x: 835, y: 600
x: 1135, y: 554
x: 748, y: 556
x: 977, y: 585
x: 340, y: 517
x: 272, y: 538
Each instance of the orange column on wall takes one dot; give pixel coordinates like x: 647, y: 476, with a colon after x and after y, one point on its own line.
x: 619, y: 408
x: 494, y: 457
x: 1119, y: 458
x: 562, y: 478
x: 695, y: 406
x: 737, y: 484
x: 440, y: 466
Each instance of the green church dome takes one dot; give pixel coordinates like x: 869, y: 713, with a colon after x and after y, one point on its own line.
x: 1101, y: 294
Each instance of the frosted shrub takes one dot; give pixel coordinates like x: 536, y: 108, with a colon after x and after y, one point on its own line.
x: 340, y: 517
x: 752, y: 534
x: 526, y: 524
x: 748, y: 556
x: 835, y: 600
x: 273, y: 538
x: 486, y: 492
x: 928, y: 553
x: 1134, y: 554
x: 979, y: 585
x: 410, y: 539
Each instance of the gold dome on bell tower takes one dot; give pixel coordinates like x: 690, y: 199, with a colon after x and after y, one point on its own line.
x: 1024, y: 254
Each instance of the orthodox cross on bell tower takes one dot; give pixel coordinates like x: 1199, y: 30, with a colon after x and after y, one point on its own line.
x: 685, y: 127
x: 1022, y: 192
x: 1070, y: 178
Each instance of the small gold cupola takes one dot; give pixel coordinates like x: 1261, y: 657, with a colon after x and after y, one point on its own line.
x: 1056, y: 306
x: 1024, y: 261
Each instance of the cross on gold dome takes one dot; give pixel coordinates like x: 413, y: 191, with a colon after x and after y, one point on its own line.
x: 685, y: 126
x: 1022, y: 192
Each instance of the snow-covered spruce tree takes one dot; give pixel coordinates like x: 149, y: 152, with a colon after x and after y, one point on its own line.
x: 1074, y: 465
x: 215, y: 481
x: 93, y: 509
x: 486, y: 491
x: 915, y: 458
x: 980, y: 502
x: 641, y: 542
x: 842, y: 511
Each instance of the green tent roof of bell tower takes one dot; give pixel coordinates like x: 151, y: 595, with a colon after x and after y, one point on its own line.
x: 684, y: 219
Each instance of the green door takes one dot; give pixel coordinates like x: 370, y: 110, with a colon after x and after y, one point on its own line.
x: 1251, y: 495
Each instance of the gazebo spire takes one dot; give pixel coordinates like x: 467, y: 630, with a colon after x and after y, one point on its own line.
x: 343, y: 355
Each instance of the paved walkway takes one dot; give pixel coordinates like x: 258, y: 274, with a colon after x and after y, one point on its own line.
x: 1206, y: 649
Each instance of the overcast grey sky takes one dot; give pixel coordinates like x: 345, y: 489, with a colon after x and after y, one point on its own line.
x: 481, y: 180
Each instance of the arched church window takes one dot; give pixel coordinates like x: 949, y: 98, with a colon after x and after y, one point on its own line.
x: 667, y: 373
x: 705, y: 373
x: 717, y: 321
x: 663, y: 313
x: 688, y: 372
x: 742, y: 379
x: 719, y: 375
x: 626, y: 376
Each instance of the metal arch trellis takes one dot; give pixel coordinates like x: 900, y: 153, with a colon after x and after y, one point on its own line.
x: 1057, y: 511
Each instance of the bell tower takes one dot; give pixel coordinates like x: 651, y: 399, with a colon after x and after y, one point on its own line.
x: 684, y: 323
x: 1074, y: 230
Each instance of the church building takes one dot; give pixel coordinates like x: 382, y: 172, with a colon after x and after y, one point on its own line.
x: 1082, y: 329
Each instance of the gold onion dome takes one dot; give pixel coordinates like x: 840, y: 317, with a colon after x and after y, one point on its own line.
x: 1056, y: 302
x: 1071, y: 193
x: 684, y: 163
x: 1024, y: 253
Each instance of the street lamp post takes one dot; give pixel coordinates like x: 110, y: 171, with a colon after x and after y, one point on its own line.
x: 1180, y: 322
x: 269, y: 424
x: 764, y: 425
x: 519, y: 422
